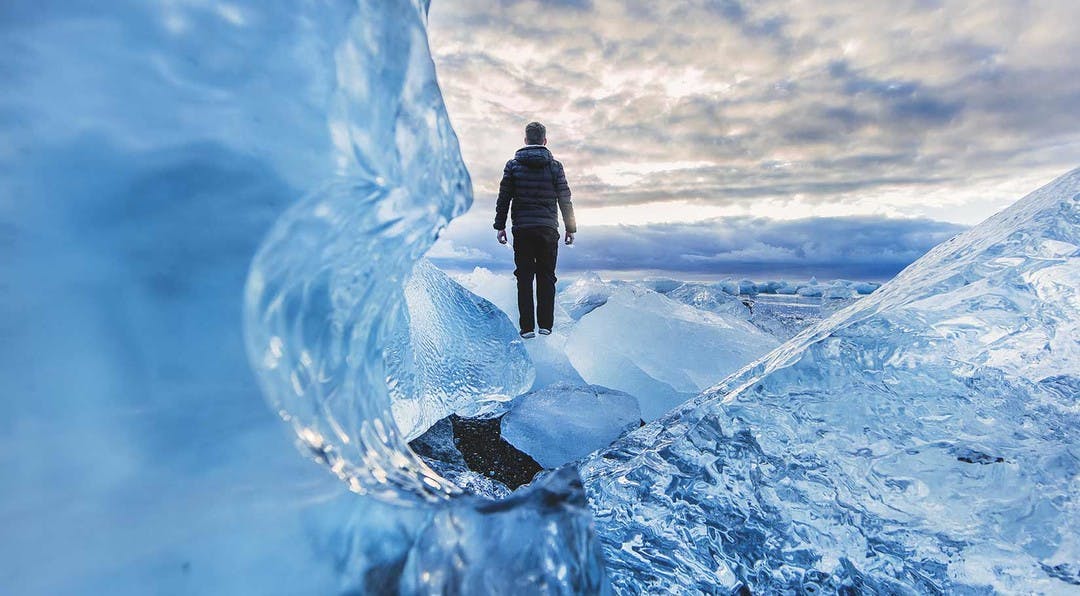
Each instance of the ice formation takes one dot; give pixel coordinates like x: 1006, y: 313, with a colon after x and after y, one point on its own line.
x: 322, y: 303
x: 658, y: 350
x: 711, y: 298
x: 587, y: 294
x: 537, y: 541
x: 452, y: 353
x: 149, y: 148
x: 564, y: 422
x: 923, y: 440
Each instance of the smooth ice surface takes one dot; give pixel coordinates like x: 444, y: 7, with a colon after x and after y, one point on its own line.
x: 658, y: 350
x: 453, y: 353
x: 564, y: 422
x: 923, y: 440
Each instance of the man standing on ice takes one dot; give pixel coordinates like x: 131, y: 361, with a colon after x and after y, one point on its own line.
x: 534, y: 190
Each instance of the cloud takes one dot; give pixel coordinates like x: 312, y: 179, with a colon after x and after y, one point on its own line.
x: 853, y: 247
x: 907, y: 113
x: 858, y: 101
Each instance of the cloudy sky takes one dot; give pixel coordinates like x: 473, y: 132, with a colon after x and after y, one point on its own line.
x: 776, y: 137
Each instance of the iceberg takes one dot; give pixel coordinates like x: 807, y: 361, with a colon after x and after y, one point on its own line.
x: 710, y: 298
x: 922, y: 440
x: 452, y: 353
x: 658, y: 350
x: 563, y: 423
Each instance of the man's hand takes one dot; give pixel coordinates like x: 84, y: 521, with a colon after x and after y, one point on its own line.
x: 569, y: 238
x: 501, y: 236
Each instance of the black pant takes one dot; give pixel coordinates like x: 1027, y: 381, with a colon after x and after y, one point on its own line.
x: 535, y: 251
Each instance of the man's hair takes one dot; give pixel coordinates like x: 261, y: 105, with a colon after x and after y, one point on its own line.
x: 535, y: 133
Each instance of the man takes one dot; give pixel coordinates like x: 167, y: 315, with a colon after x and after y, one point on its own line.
x: 534, y: 190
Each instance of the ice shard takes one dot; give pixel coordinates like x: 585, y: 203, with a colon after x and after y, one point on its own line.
x: 562, y: 423
x: 923, y: 440
x: 658, y: 350
x: 452, y: 353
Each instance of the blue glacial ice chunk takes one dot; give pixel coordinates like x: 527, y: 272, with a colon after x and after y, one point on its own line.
x: 453, y: 353
x: 711, y: 298
x: 537, y: 541
x: 923, y: 440
x: 786, y: 288
x: 564, y: 422
x: 658, y: 350
x: 148, y: 150
x: 865, y: 287
x: 811, y: 289
x: 323, y: 304
x: 585, y: 295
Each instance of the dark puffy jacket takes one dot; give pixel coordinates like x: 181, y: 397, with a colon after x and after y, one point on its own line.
x: 534, y: 189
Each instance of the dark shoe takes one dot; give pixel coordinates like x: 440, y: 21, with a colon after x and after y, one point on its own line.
x: 527, y: 335
x: 545, y: 332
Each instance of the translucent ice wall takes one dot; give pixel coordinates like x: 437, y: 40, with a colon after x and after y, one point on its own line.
x: 146, y: 148
x: 150, y: 152
x: 324, y: 287
x: 923, y: 440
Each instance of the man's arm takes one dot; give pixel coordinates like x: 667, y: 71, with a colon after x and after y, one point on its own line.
x: 506, y: 193
x: 562, y: 191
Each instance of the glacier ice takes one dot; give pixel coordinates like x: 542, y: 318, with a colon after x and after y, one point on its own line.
x: 922, y: 440
x: 658, y: 350
x: 589, y: 293
x: 149, y: 148
x: 563, y: 422
x: 711, y: 298
x: 480, y: 547
x: 453, y: 353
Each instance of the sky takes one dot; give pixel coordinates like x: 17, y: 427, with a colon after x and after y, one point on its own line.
x: 760, y: 139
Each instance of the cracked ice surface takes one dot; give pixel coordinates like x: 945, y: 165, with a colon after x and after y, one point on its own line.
x: 922, y: 440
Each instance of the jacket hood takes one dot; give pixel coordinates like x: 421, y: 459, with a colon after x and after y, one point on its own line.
x: 534, y: 156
